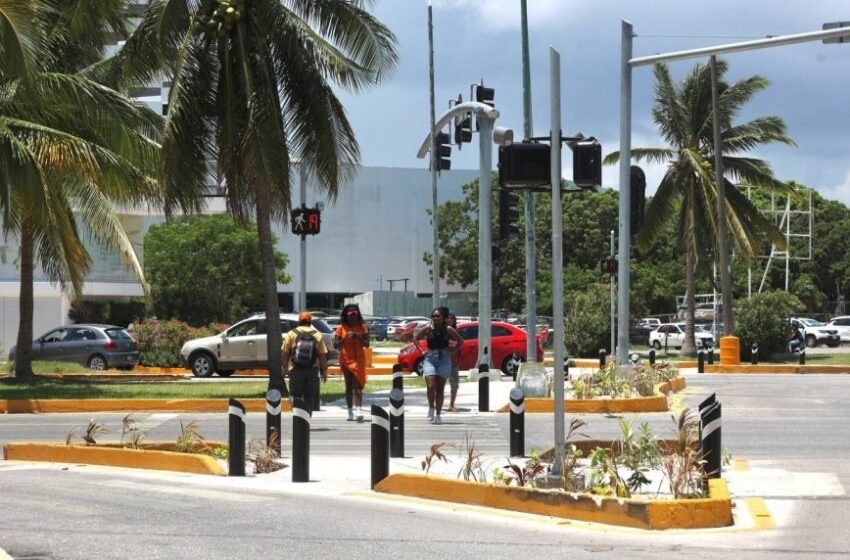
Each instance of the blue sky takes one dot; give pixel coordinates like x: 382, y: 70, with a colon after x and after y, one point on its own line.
x: 475, y: 39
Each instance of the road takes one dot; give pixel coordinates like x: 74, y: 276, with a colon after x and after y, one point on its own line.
x: 791, y: 429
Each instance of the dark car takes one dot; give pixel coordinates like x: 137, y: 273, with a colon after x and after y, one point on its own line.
x: 97, y: 347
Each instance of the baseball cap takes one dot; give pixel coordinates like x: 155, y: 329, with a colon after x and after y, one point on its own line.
x: 305, y: 317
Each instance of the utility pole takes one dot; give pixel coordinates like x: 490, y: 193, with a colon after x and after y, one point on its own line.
x: 435, y: 163
x: 530, y: 249
x: 301, y: 304
x: 612, y: 276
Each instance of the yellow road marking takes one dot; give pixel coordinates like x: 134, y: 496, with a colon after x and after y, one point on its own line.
x: 761, y: 515
x: 4, y: 556
x: 741, y: 464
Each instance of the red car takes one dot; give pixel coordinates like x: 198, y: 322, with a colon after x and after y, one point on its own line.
x: 506, y: 341
x: 405, y: 334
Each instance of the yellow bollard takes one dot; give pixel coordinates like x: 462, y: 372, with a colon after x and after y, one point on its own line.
x: 368, y: 352
x: 730, y: 351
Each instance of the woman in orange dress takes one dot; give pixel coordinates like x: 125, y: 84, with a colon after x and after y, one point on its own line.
x: 352, y: 339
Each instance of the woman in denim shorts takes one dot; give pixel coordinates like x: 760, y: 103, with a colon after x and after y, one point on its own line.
x: 437, y: 364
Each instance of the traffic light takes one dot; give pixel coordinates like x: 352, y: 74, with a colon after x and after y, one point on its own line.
x: 306, y: 221
x: 587, y: 165
x: 463, y: 130
x: 525, y: 165
x: 637, y: 199
x: 608, y: 266
x: 508, y: 214
x: 444, y: 152
x: 485, y: 95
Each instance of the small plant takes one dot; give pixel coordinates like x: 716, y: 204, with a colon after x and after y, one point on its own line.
x: 666, y: 371
x: 264, y: 454
x: 683, y: 465
x: 644, y: 379
x: 499, y: 477
x: 189, y: 437
x: 570, y: 468
x: 132, y: 430
x: 220, y: 452
x: 604, y: 475
x: 638, y: 452
x: 523, y: 475
x: 93, y: 429
x: 727, y: 457
x: 69, y: 437
x: 583, y: 387
x: 472, y: 469
x: 610, y: 383
x: 434, y: 453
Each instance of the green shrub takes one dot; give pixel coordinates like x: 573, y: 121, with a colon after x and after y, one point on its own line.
x: 589, y: 326
x: 160, y: 341
x: 763, y: 318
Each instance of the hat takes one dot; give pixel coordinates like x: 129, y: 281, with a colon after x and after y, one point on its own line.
x: 305, y: 317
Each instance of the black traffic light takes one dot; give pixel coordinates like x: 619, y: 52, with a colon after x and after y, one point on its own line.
x: 485, y: 95
x: 525, y: 165
x: 306, y: 221
x: 608, y: 266
x: 587, y: 165
x: 444, y: 151
x: 637, y: 199
x: 508, y: 214
x: 463, y: 131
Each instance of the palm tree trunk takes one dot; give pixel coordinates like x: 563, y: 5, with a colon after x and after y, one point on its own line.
x: 689, y: 344
x: 273, y: 336
x: 23, y: 355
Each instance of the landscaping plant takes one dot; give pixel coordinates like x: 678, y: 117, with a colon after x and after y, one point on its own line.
x: 434, y: 453
x: 92, y: 430
x: 189, y: 437
x: 472, y: 469
x: 264, y: 454
x: 682, y: 464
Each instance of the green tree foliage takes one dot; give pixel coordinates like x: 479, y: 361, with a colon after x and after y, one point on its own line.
x: 205, y: 269
x: 763, y: 318
x: 589, y: 325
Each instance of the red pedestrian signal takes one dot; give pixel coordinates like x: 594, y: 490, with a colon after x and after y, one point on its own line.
x: 306, y: 221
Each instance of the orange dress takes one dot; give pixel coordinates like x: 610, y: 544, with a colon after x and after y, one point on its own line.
x: 352, y: 356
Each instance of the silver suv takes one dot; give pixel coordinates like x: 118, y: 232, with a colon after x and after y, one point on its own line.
x: 243, y: 346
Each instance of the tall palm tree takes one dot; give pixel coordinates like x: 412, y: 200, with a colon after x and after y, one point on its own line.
x: 252, y: 92
x: 688, y: 190
x: 69, y: 147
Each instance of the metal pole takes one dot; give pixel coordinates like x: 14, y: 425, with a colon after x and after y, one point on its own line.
x: 613, y: 304
x: 557, y: 252
x: 722, y: 225
x: 485, y: 242
x: 302, y: 246
x: 623, y: 280
x: 435, y: 162
x: 530, y: 248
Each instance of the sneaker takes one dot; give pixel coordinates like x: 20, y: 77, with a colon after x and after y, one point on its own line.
x: 350, y: 415
x: 438, y: 420
x: 360, y: 418
x: 430, y: 415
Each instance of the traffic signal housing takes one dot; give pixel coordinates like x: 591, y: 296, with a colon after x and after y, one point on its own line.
x: 587, y: 165
x: 508, y: 214
x: 525, y: 165
x: 637, y: 199
x: 306, y: 221
x: 608, y: 266
x: 463, y: 130
x: 485, y: 95
x: 444, y: 151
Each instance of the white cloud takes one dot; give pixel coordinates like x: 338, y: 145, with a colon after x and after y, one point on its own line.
x: 840, y: 191
x: 497, y: 15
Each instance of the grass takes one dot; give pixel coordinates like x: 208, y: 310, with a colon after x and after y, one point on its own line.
x: 331, y: 391
x: 39, y: 367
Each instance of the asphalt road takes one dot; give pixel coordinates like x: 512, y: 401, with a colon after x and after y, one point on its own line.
x: 790, y: 428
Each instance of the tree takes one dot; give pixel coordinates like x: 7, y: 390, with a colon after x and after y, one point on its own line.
x: 204, y: 269
x: 688, y: 190
x: 252, y: 92
x: 69, y: 147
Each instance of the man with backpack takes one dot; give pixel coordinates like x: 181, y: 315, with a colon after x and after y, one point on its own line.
x: 303, y: 350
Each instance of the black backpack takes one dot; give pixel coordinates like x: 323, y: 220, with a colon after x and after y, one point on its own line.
x: 304, y: 351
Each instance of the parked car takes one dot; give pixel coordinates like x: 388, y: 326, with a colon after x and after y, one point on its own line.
x: 243, y: 346
x: 654, y: 322
x: 406, y: 333
x: 673, y: 335
x: 507, y: 343
x: 95, y: 346
x: 399, y: 323
x: 842, y: 325
x: 815, y: 332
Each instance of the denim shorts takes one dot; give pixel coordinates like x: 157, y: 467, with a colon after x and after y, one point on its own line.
x: 437, y: 362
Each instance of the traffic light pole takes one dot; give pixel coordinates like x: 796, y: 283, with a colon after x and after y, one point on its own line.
x: 301, y: 304
x: 530, y: 248
x: 435, y: 167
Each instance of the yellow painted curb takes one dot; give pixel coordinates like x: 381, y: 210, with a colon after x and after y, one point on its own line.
x: 113, y: 456
x: 777, y: 368
x: 657, y: 403
x: 16, y: 406
x: 107, y: 377
x: 384, y: 359
x: 715, y: 511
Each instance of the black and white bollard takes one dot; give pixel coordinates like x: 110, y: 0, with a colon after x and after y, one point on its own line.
x: 380, y: 444
x: 652, y: 357
x: 711, y: 355
x: 754, y: 353
x: 398, y: 377
x: 601, y: 358
x: 396, y: 423
x: 709, y: 400
x: 236, y: 439
x: 700, y: 361
x: 517, y: 422
x: 566, y: 368
x: 710, y: 439
x: 483, y: 387
x: 803, y: 356
x: 273, y: 433
x: 300, y: 441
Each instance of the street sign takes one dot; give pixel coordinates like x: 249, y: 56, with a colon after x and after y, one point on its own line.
x: 306, y: 221
x: 836, y: 25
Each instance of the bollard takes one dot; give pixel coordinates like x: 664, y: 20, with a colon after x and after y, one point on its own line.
x: 380, y: 444
x: 483, y: 387
x: 700, y: 361
x: 710, y: 439
x: 652, y: 357
x: 236, y: 439
x: 601, y: 358
x: 566, y: 368
x: 273, y: 433
x: 754, y: 353
x: 398, y: 377
x: 315, y: 398
x: 709, y: 400
x: 300, y: 441
x: 803, y: 356
x: 517, y: 423
x: 711, y: 355
x: 396, y: 423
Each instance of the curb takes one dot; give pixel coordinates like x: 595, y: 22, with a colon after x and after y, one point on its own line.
x: 714, y: 511
x: 657, y: 403
x: 95, y: 377
x: 776, y: 368
x: 18, y: 406
x: 157, y: 460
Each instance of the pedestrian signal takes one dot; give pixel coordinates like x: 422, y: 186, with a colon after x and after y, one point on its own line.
x: 306, y: 221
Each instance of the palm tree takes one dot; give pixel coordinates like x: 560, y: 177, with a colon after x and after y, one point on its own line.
x: 69, y: 147
x: 688, y: 190
x: 251, y: 91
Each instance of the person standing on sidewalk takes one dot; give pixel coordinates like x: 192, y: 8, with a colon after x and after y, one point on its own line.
x: 454, y: 379
x: 352, y: 339
x: 437, y: 365
x: 303, y: 352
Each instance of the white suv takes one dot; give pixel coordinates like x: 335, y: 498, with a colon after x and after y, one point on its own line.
x: 673, y: 335
x: 815, y: 332
x: 842, y: 325
x: 243, y: 346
